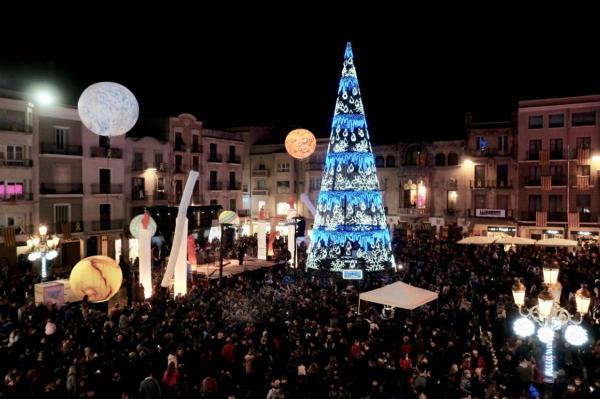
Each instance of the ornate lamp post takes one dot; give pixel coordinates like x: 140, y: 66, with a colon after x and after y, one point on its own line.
x: 43, y: 247
x: 550, y: 317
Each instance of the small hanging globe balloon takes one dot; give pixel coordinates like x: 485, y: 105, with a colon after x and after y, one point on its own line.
x: 98, y: 277
x: 228, y: 217
x: 300, y: 143
x: 108, y: 109
x: 137, y: 223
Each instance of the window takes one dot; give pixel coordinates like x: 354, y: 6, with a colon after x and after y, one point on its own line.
x: 390, y: 161
x: 556, y: 120
x: 62, y: 213
x: 502, y: 175
x: 383, y: 184
x: 452, y: 197
x: 13, y: 156
x: 283, y: 187
x: 195, y: 146
x: 160, y: 184
x: 158, y: 160
x: 556, y: 148
x: 283, y: 208
x: 11, y: 189
x: 415, y: 195
x: 214, y: 202
x: 555, y: 203
x: 61, y: 137
x: 315, y: 183
x: 584, y: 143
x: 535, y: 146
x: 440, y: 159
x: 501, y: 201
x: 195, y: 163
x: 583, y: 170
x: 283, y: 166
x: 535, y: 175
x: 178, y: 163
x: 232, y: 204
x: 138, y: 192
x: 583, y: 203
x: 503, y: 143
x: 535, y: 204
x: 584, y: 118
x: 138, y: 161
x: 213, y: 177
x: 479, y: 176
x: 556, y: 171
x: 379, y: 162
x: 261, y: 205
x: 452, y: 159
x: 479, y: 201
x: 536, y: 121
x: 213, y: 150
x: 261, y: 184
x: 481, y: 143
x: 179, y: 142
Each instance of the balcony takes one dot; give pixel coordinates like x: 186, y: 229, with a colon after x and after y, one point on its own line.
x: 51, y: 148
x: 413, y: 211
x: 260, y: 191
x: 260, y: 172
x: 179, y: 146
x: 557, y: 216
x: 532, y: 155
x: 67, y: 227
x: 16, y: 163
x: 560, y: 180
x: 181, y: 168
x: 556, y: 155
x: 475, y: 184
x: 196, y: 148
x: 236, y: 186
x: 11, y: 126
x: 107, y: 188
x: 138, y: 167
x: 235, y: 159
x: 141, y: 195
x: 215, y: 158
x: 105, y: 225
x: 61, y: 188
x: 214, y: 186
x: 17, y: 197
x: 104, y: 152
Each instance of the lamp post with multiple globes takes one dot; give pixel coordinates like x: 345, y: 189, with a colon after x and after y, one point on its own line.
x: 550, y: 317
x: 44, y: 247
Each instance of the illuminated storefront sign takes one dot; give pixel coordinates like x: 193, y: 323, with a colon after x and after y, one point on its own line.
x: 490, y: 213
x: 352, y: 274
x: 501, y: 229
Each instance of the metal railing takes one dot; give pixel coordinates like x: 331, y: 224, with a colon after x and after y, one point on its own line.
x: 73, y: 227
x: 413, y: 211
x: 102, y: 225
x: 215, y: 158
x: 260, y: 172
x: 104, y: 152
x: 214, y: 185
x: 17, y: 197
x: 196, y: 148
x: 107, y: 188
x: 490, y: 183
x: 15, y: 126
x: 181, y: 168
x: 557, y: 216
x: 533, y: 155
x: 61, y: 188
x: 17, y: 163
x: 234, y: 185
x: 51, y: 148
x: 260, y: 191
x: 179, y: 146
x: 234, y: 159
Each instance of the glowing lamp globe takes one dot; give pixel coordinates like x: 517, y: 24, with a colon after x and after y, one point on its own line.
x: 576, y: 335
x: 545, y: 334
x: 108, y: 109
x: 300, y: 143
x: 98, y: 277
x: 523, y: 327
x: 136, y: 225
x: 228, y: 217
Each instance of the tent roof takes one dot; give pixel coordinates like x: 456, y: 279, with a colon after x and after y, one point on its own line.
x: 557, y: 242
x: 515, y: 240
x: 477, y: 240
x: 399, y: 295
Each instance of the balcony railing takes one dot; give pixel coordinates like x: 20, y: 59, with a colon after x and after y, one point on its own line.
x: 215, y: 158
x: 234, y: 159
x: 73, y: 227
x: 104, y: 152
x: 196, y: 148
x: 559, y: 154
x: 490, y: 184
x: 560, y: 180
x: 234, y: 185
x: 61, y: 188
x: 179, y: 146
x: 557, y: 216
x: 260, y: 191
x: 17, y: 163
x: 533, y: 155
x: 51, y: 148
x: 181, y: 168
x: 413, y: 211
x: 17, y: 197
x: 107, y: 188
x: 15, y: 126
x: 260, y: 172
x: 103, y: 225
x: 215, y: 185
x: 141, y: 195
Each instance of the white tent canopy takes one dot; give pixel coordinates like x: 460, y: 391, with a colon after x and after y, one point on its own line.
x: 508, y: 240
x: 477, y: 240
x: 399, y: 295
x: 557, y: 242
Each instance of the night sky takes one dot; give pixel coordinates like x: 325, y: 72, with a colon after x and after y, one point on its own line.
x: 417, y: 80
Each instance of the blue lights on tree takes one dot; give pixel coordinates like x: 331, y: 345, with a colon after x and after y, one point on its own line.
x: 350, y: 230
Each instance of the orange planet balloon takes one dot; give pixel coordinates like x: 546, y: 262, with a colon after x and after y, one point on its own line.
x: 300, y: 143
x: 98, y: 277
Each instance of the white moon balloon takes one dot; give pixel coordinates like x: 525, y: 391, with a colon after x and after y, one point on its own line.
x: 108, y: 109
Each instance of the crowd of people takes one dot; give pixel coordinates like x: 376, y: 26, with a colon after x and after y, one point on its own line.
x: 284, y: 333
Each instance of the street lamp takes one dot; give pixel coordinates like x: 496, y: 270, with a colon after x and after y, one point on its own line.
x: 550, y: 317
x: 43, y: 247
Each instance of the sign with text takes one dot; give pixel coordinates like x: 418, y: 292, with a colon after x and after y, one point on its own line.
x: 501, y: 229
x: 352, y: 274
x: 490, y: 213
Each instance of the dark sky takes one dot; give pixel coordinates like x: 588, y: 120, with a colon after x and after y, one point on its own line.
x: 417, y: 79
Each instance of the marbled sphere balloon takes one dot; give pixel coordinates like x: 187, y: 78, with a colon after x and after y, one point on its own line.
x: 108, y: 109
x: 98, y: 277
x: 300, y: 143
x: 228, y: 217
x: 136, y: 224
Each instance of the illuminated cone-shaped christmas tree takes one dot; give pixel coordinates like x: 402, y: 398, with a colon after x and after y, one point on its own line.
x: 350, y: 230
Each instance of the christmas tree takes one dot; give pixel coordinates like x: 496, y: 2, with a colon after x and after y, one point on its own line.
x: 350, y: 230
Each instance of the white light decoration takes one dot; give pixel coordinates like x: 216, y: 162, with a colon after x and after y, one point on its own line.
x: 576, y: 335
x: 523, y: 327
x: 549, y: 361
x: 108, y: 109
x: 545, y: 334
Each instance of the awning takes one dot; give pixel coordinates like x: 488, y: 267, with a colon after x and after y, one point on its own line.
x: 399, y: 295
x: 557, y: 242
x: 477, y: 240
x: 515, y: 241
